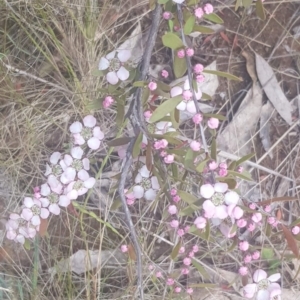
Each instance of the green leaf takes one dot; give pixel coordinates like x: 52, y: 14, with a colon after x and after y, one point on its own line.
x: 189, y: 159
x: 213, y: 149
x: 205, y: 97
x: 188, y: 211
x: 139, y: 83
x: 119, y: 141
x: 201, y: 269
x: 192, y: 2
x: 162, y: 1
x: 145, y: 95
x: 200, y: 167
x: 179, y: 66
x: 240, y: 175
x: 267, y: 253
x: 202, y: 29
x: 165, y: 108
x: 214, y: 18
x: 175, y: 118
x: 244, y: 158
x: 232, y: 165
x: 222, y: 74
x: 27, y: 245
x: 230, y: 181
x: 120, y: 113
x: 239, y: 3
x: 175, y: 250
x: 171, y: 40
x: 97, y: 72
x: 217, y: 116
x: 163, y: 86
x: 260, y: 11
x: 137, y: 146
x: 187, y: 197
x: 247, y: 3
x: 189, y: 25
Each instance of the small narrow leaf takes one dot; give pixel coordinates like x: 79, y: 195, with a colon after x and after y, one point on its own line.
x: 240, y: 175
x: 187, y: 197
x: 278, y: 199
x: 171, y: 40
x: 149, y: 158
x: 179, y: 66
x: 238, y: 4
x: 188, y: 211
x: 223, y: 74
x: 244, y: 158
x: 189, y: 25
x: 27, y: 245
x: 162, y: 1
x: 214, y: 18
x: 189, y: 159
x: 230, y: 181
x: 213, y: 149
x: 139, y: 83
x: 119, y: 141
x: 260, y: 11
x: 201, y: 269
x: 120, y: 114
x: 200, y: 167
x: 175, y: 250
x: 137, y: 146
x: 202, y: 29
x: 290, y: 240
x: 205, y: 97
x: 165, y: 108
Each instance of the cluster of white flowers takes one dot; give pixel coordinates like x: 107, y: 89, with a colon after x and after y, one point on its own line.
x: 67, y: 179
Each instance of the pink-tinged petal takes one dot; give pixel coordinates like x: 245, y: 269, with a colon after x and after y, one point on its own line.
x: 230, y: 210
x: 58, y: 189
x: 123, y: 74
x: 78, y: 139
x: 31, y: 232
x: 231, y: 197
x: 186, y: 85
x: 181, y: 106
x: 207, y: 191
x: 144, y: 172
x: 64, y: 201
x: 112, y: 78
x: 26, y: 214
x: 83, y: 175
x: 111, y: 55
x: 227, y: 231
x: 275, y: 292
x: 250, y: 289
x: 274, y: 277
x: 97, y: 133
x: 11, y: 225
x: 150, y: 195
x: 103, y: 64
x: 44, y: 213
x: 221, y: 187
x: 89, y: 121
x: 162, y: 125
x: 63, y: 164
x: 82, y: 191
x: 70, y: 186
x: 154, y: 183
x: 273, y: 286
x: 23, y: 231
x: 68, y: 159
x: 238, y: 212
x: 259, y: 275
x: 37, y: 202
x: 94, y: 143
x: 77, y: 152
x: 48, y: 170
x: 36, y: 220
x: 45, y: 189
x: 209, y: 208
x: 176, y: 91
x: 55, y: 157
x: 28, y: 202
x: 68, y: 176
x: 20, y: 239
x: 14, y: 216
x: 52, y: 181
x: 263, y: 295
x: 76, y: 127
x: 89, y: 183
x: 190, y: 107
x: 198, y: 94
x: 11, y: 234
x: 72, y: 195
x: 45, y: 202
x: 86, y: 163
x: 124, y: 55
x: 54, y: 208
x: 138, y: 191
x: 138, y: 178
x: 221, y: 212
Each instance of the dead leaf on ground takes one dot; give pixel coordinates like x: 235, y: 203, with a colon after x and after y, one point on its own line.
x: 272, y: 89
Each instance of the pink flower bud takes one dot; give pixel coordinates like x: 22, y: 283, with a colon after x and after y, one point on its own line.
x: 198, y: 68
x: 108, y: 101
x: 169, y: 159
x: 181, y: 250
x: 187, y: 229
x: 213, y: 165
x: 195, y: 248
x: 176, y: 198
x: 185, y: 271
x: 180, y: 232
x: 241, y: 223
x: 170, y: 281
x: 164, y: 73
x: 251, y: 226
x: 181, y: 53
x: 195, y: 146
x: 189, y: 52
x: 255, y: 255
x: 213, y: 123
x: 187, y: 261
x: 190, y: 291
x: 247, y: 259
x: 208, y: 8
x: 252, y: 206
x: 191, y: 254
x: 167, y: 15
x: 240, y: 169
x: 150, y: 268
x: 295, y: 230
x: 200, y: 222
x: 124, y: 248
x: 244, y: 246
x: 174, y: 223
x: 158, y: 274
x: 243, y: 271
x: 223, y: 165
x: 267, y: 208
x: 271, y: 220
x: 200, y: 78
x: 163, y: 153
x: 237, y: 212
x: 257, y: 217
x: 152, y: 86
x: 173, y: 192
x: 199, y: 12
x: 197, y: 118
x: 187, y: 95
x: 172, y: 210
x: 177, y: 289
x: 147, y: 114
x: 223, y: 172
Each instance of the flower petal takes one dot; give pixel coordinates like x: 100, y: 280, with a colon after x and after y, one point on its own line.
x: 103, y: 64
x: 111, y: 55
x: 221, y: 187
x: 28, y: 202
x: 54, y: 208
x: 190, y: 107
x: 207, y: 191
x: 55, y: 157
x: 20, y: 238
x: 231, y: 197
x: 78, y: 139
x: 138, y: 191
x: 263, y: 295
x: 45, y: 189
x: 36, y: 220
x: 45, y: 202
x: 64, y: 201
x: 150, y: 195
x: 259, y: 275
x: 209, y: 208
x: 58, y: 189
x: 112, y: 78
x: 250, y: 289
x: 274, y: 277
x: 154, y: 183
x: 48, y: 170
x: 86, y: 163
x: 123, y: 74
x: 83, y: 175
x: 181, y: 106
x: 68, y: 175
x: 52, y: 181
x: 89, y: 121
x: 124, y: 55
x: 77, y: 152
x: 82, y: 191
x: 68, y: 159
x: 221, y: 212
x: 94, y: 143
x: 76, y: 127
x: 72, y: 195
x: 89, y: 183
x: 138, y: 178
x: 44, y: 213
x: 97, y: 133
x: 176, y: 91
x: 144, y: 172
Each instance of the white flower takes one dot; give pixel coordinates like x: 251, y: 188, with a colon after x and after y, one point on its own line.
x: 80, y: 186
x: 55, y: 169
x: 178, y: 1
x: 187, y: 103
x: 115, y: 65
x: 89, y: 133
x: 147, y: 185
